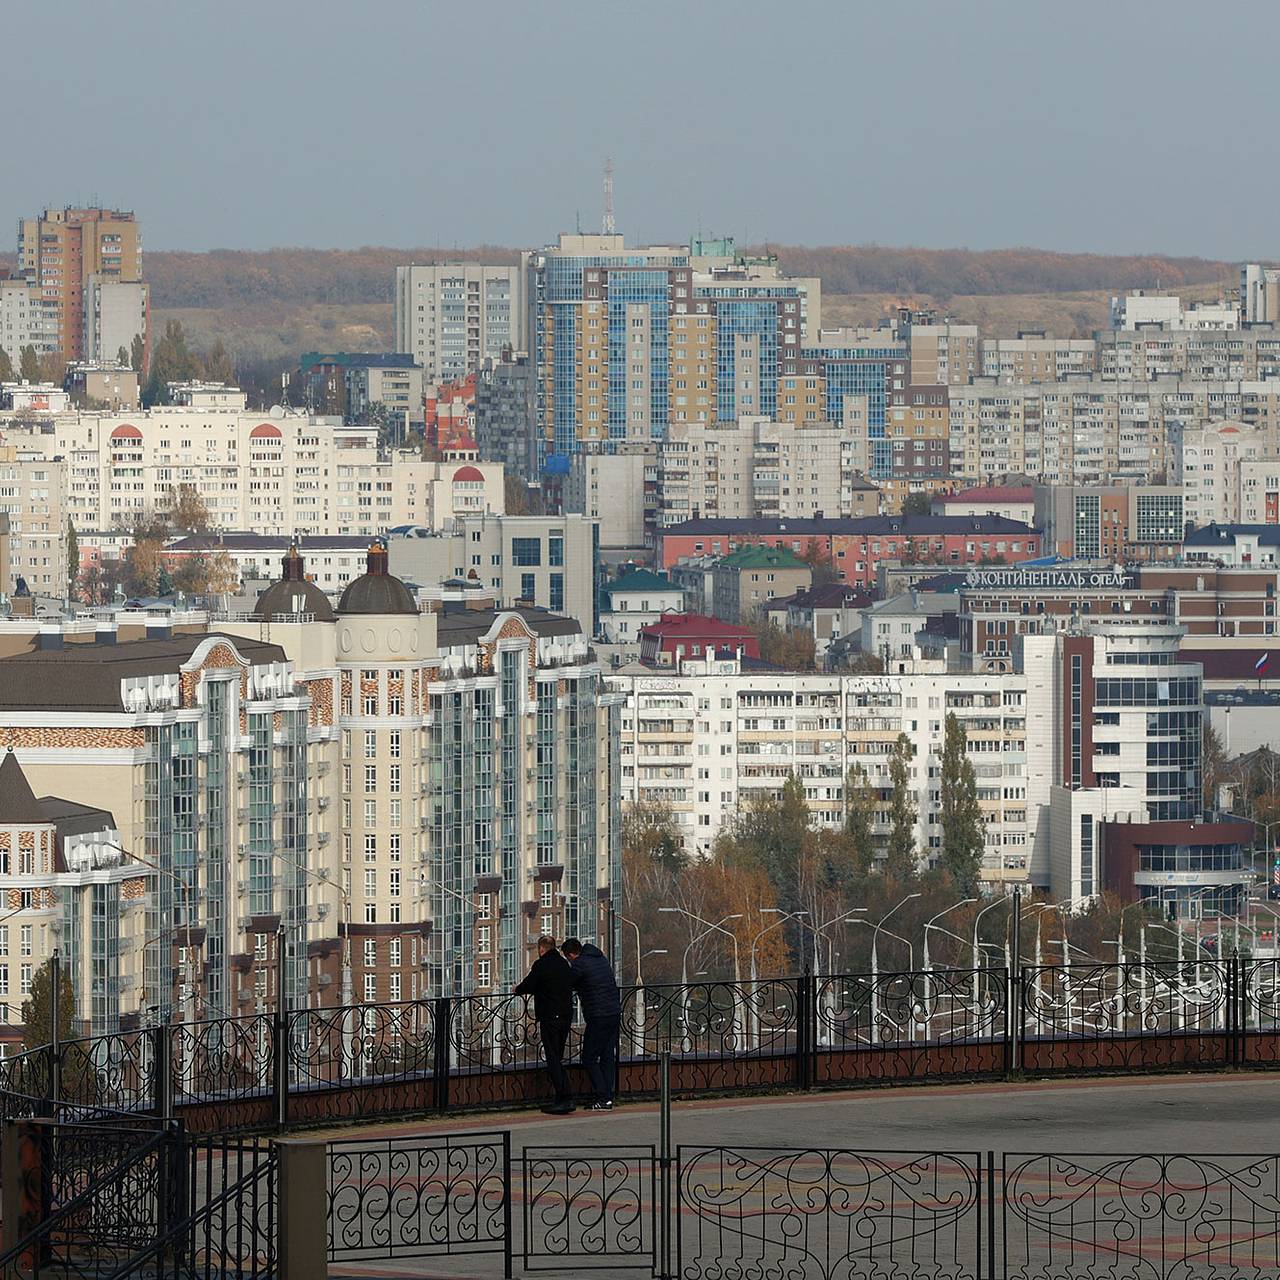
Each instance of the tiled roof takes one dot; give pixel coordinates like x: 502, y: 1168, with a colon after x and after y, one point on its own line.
x: 851, y: 526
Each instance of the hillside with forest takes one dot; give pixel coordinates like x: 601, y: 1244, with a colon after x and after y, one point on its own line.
x: 265, y: 307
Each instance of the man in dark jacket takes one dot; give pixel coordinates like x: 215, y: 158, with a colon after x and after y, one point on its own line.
x: 549, y: 982
x: 597, y: 991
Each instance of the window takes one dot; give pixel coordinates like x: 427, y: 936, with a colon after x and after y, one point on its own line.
x: 260, y: 948
x: 370, y: 884
x: 395, y: 987
x: 393, y: 949
x: 482, y: 973
x: 393, y: 744
x: 370, y: 951
x: 555, y: 550
x: 370, y: 744
x: 24, y: 987
x: 4, y: 979
x: 370, y: 988
x: 527, y: 589
x: 526, y: 551
x: 394, y: 847
x: 26, y: 939
x: 556, y: 600
x: 371, y: 777
x: 395, y: 883
x: 395, y: 779
x: 370, y: 847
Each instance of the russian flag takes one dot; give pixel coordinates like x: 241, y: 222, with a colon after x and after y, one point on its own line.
x: 1262, y: 661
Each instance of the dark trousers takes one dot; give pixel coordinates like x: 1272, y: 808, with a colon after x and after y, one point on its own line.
x: 600, y: 1054
x: 554, y: 1033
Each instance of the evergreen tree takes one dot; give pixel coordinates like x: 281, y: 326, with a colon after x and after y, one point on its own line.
x: 861, y: 803
x: 218, y: 365
x: 137, y: 354
x: 171, y: 361
x: 37, y: 1008
x: 28, y: 365
x: 900, y: 859
x: 962, y: 823
x: 73, y: 557
x: 6, y: 366
x: 122, y: 357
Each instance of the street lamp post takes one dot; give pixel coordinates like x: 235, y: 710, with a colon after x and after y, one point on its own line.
x: 753, y: 1017
x: 717, y: 927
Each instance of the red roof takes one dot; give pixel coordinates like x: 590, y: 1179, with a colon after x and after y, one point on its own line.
x: 992, y: 493
x: 126, y: 431
x: 467, y: 473
x: 674, y: 625
x: 265, y: 431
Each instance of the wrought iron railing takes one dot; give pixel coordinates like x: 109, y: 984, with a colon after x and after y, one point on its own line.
x: 484, y: 1050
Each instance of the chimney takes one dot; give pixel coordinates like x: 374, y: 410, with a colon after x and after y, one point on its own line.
x: 376, y: 561
x: 293, y: 566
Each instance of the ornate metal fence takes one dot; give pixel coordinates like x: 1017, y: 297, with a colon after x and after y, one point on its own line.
x: 892, y: 1026
x: 751, y: 1212
x: 1158, y: 1217
x: 420, y: 1197
x: 589, y: 1208
x: 484, y: 1051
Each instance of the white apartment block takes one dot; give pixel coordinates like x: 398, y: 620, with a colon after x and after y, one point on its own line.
x: 26, y: 320
x: 611, y: 488
x: 115, y: 312
x: 704, y: 740
x: 755, y: 467
x: 1224, y: 469
x: 1036, y: 358
x: 277, y: 473
x: 1092, y: 430
x: 31, y: 495
x: 452, y: 316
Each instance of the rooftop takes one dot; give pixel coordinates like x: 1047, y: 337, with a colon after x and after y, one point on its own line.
x: 86, y: 677
x: 357, y: 360
x: 459, y: 624
x: 264, y: 542
x: 1215, y: 535
x: 640, y: 580
x: 990, y: 493
x: 762, y: 558
x: 694, y: 624
x: 852, y: 525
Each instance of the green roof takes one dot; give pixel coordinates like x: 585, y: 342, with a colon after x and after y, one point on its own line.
x: 762, y: 558
x: 640, y: 580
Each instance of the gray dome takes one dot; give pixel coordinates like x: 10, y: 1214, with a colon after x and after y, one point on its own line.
x: 293, y: 594
x: 376, y: 591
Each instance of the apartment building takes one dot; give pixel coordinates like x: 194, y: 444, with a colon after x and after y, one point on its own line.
x: 746, y: 580
x: 626, y: 342
x: 32, y: 496
x: 1092, y: 431
x: 406, y: 799
x: 452, y: 316
x: 551, y: 562
x: 1223, y: 468
x: 942, y: 353
x: 27, y: 319
x: 709, y: 735
x: 77, y: 892
x: 62, y: 250
x: 1259, y: 294
x: 617, y: 490
x: 759, y: 468
x: 1121, y: 524
x: 505, y: 428
x: 115, y: 313
x: 1036, y: 357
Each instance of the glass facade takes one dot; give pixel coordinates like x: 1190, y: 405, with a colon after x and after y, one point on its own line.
x: 862, y: 371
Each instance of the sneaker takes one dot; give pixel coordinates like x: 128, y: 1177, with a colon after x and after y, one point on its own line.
x: 601, y: 1106
x: 560, y: 1109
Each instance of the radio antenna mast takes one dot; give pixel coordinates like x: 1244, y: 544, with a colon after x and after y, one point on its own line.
x: 607, y: 224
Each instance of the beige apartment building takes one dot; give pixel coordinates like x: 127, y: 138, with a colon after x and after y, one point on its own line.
x: 746, y: 580
x: 618, y: 490
x: 1037, y: 357
x: 410, y: 797
x: 62, y: 250
x: 33, y: 500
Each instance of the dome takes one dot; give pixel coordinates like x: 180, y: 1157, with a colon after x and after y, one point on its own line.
x: 126, y: 431
x: 376, y: 591
x: 464, y: 474
x: 293, y: 594
x: 265, y: 431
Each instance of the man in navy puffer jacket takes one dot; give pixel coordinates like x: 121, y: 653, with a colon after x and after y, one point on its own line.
x: 597, y: 991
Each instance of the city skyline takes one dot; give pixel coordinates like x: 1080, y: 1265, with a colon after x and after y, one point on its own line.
x: 957, y: 139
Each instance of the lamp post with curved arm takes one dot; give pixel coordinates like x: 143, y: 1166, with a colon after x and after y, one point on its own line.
x: 753, y: 1014
x: 717, y: 927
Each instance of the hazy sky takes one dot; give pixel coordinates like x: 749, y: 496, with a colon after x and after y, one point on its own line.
x: 1075, y: 125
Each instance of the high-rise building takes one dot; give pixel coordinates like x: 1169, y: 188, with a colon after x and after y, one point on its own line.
x: 452, y: 316
x: 628, y: 342
x: 27, y: 319
x: 63, y: 250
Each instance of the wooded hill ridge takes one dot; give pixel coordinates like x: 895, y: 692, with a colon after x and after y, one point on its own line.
x: 229, y: 277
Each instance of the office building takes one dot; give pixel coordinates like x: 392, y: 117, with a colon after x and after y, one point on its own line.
x: 64, y: 251
x: 452, y: 316
x: 551, y: 562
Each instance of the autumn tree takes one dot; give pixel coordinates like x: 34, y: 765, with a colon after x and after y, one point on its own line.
x: 218, y: 365
x: 1214, y: 766
x: 917, y: 504
x: 792, y: 648
x: 649, y: 832
x: 137, y: 355
x: 962, y: 823
x: 6, y: 366
x: 37, y: 1008
x: 900, y: 853
x: 188, y: 511
x: 53, y: 368
x: 28, y: 364
x: 768, y: 834
x: 515, y: 495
